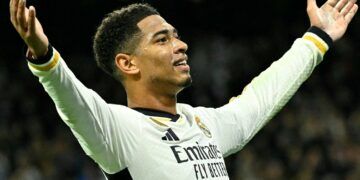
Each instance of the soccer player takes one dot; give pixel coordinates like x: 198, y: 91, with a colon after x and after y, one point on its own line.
x: 154, y: 136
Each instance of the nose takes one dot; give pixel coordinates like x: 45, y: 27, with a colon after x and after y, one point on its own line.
x: 179, y: 46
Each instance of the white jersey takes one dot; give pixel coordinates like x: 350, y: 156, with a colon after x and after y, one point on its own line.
x: 191, y: 145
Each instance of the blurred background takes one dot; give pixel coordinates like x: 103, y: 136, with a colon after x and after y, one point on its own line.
x: 315, y: 136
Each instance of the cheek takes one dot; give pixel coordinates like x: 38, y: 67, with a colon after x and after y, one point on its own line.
x: 155, y: 59
x: 160, y: 58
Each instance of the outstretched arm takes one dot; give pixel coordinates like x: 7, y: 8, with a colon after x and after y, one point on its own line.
x: 29, y: 28
x: 237, y: 122
x: 90, y: 118
x: 333, y: 17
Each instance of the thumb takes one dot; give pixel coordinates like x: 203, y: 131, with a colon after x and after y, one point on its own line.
x: 311, y: 4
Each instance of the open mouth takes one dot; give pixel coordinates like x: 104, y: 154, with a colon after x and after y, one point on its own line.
x: 182, y: 65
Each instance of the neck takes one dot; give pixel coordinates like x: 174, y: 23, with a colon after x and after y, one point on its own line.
x: 151, y: 100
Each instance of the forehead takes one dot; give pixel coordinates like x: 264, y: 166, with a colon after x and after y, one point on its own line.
x: 152, y: 24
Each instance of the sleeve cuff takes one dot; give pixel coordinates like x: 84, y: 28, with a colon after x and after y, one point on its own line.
x: 42, y: 59
x: 44, y: 63
x: 320, y: 38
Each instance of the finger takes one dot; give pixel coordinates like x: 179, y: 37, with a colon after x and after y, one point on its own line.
x: 311, y: 4
x: 32, y: 20
x: 13, y: 10
x: 340, y: 5
x: 351, y: 14
x: 332, y: 2
x: 11, y: 4
x: 347, y: 7
x: 21, y: 14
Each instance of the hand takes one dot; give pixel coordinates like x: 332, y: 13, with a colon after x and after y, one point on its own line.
x: 26, y: 24
x: 333, y: 17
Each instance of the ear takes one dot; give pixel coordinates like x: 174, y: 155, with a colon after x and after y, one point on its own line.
x: 126, y: 64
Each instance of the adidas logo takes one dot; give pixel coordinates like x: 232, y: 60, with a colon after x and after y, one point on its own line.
x: 170, y: 136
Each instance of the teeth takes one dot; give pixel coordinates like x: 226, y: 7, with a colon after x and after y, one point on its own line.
x: 180, y: 63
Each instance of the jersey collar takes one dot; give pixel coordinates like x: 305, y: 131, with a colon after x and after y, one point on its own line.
x: 158, y: 113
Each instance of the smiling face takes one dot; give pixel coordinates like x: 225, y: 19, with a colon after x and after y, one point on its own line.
x: 161, y: 56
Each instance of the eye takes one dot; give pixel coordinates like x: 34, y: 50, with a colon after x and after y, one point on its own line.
x: 162, y: 40
x: 177, y: 36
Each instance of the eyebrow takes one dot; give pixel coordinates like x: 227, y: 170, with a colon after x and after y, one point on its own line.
x: 164, y: 31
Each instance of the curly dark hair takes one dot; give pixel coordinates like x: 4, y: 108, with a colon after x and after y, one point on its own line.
x: 119, y: 33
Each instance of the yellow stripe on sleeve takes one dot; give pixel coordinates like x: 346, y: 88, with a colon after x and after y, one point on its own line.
x: 323, y: 48
x: 52, y: 63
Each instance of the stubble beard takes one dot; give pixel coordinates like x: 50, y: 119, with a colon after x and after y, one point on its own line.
x: 186, y: 83
x: 172, y: 84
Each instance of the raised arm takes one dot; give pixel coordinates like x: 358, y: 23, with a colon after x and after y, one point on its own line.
x: 90, y: 118
x: 237, y: 122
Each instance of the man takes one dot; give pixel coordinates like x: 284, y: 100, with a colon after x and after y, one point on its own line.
x: 154, y: 136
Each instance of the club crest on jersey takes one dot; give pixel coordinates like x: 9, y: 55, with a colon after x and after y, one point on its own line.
x: 203, y: 128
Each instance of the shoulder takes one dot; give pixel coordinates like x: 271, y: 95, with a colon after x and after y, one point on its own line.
x: 197, y: 111
x: 125, y: 113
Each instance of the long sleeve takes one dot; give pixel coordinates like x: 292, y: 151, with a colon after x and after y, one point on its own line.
x: 90, y: 118
x: 238, y: 121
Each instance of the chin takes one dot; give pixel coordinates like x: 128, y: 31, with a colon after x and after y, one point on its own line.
x: 186, y: 83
